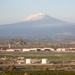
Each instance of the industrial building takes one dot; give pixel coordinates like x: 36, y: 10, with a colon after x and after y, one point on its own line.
x: 28, y: 61
x: 44, y: 61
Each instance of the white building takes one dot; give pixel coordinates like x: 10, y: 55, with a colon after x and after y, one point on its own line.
x: 50, y: 49
x: 10, y: 50
x: 28, y: 61
x: 44, y: 61
x: 25, y: 50
x: 33, y: 49
x: 61, y: 49
x: 30, y: 49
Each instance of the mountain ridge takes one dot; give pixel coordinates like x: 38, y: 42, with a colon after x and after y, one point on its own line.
x: 46, y: 26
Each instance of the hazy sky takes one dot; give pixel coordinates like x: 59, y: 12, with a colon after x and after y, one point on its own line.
x: 16, y: 10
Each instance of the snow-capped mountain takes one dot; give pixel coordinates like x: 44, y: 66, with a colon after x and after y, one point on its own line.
x: 42, y: 18
x: 38, y: 25
x: 35, y: 17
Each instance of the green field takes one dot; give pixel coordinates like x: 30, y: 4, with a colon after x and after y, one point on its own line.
x: 40, y: 55
x: 41, y: 72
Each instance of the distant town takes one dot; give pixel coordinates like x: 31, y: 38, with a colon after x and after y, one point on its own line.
x: 25, y: 55
x: 39, y: 50
x: 37, y: 46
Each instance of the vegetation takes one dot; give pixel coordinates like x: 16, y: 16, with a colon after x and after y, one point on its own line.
x: 49, y: 55
x: 40, y: 72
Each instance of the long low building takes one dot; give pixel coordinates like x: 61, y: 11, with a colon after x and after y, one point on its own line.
x: 39, y: 49
x: 61, y: 49
x: 12, y: 50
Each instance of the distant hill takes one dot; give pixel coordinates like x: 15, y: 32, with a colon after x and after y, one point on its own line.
x: 38, y: 25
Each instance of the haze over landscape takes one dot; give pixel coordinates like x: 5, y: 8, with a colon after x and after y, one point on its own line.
x: 38, y: 25
x: 40, y: 18
x: 37, y: 37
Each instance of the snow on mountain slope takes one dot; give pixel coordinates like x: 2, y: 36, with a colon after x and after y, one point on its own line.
x: 43, y: 18
x: 36, y: 17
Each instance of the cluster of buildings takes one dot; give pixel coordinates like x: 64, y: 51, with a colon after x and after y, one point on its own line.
x: 39, y: 50
x: 22, y: 60
x: 33, y: 61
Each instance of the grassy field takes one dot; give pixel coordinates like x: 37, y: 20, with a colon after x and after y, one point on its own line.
x: 41, y: 72
x: 40, y: 55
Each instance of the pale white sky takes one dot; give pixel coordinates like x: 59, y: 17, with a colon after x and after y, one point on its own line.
x: 15, y: 10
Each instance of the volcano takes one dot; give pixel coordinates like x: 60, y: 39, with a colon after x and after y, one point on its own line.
x: 38, y: 25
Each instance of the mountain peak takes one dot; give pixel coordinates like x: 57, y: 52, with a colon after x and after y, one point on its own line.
x: 43, y: 18
x: 41, y: 14
x: 34, y: 17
